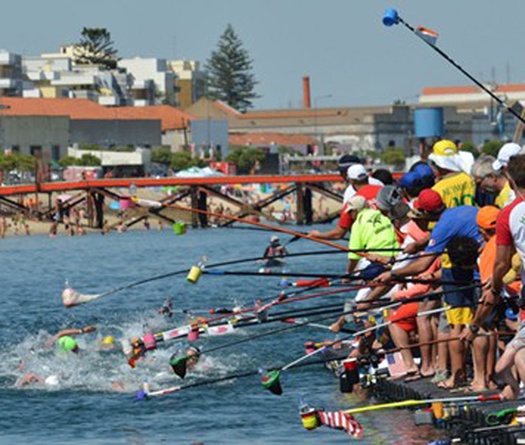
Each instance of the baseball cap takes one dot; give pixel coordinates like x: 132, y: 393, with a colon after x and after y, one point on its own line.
x: 429, y: 201
x: 505, y: 153
x: 357, y: 172
x: 487, y: 216
x: 388, y: 197
x: 411, y: 180
x: 346, y: 161
x: 422, y: 169
x: 356, y: 202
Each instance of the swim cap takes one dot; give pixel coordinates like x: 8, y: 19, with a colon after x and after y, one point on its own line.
x: 67, y: 343
x: 52, y: 380
x: 108, y: 340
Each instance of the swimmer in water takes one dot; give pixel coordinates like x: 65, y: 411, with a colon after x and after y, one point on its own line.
x: 193, y: 354
x: 65, y: 341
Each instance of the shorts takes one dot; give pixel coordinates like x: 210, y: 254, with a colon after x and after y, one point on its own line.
x: 459, y: 315
x: 405, y: 316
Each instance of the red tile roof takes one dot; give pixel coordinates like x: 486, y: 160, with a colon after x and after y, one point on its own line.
x: 267, y: 139
x: 172, y: 118
x: 508, y: 88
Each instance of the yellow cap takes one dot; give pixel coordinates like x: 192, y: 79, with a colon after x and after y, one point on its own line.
x: 108, y: 340
x: 445, y: 148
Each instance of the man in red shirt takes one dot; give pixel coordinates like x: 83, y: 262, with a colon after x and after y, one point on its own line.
x: 359, y: 180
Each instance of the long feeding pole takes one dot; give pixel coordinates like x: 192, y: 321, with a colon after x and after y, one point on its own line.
x: 391, y: 17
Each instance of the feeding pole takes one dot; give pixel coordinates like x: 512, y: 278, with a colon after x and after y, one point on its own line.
x: 391, y: 17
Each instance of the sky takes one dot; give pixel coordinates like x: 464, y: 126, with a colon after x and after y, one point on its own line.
x: 351, y: 57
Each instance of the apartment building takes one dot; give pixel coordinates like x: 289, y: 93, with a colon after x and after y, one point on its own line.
x: 191, y: 81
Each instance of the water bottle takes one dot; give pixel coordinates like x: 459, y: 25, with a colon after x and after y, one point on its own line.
x: 133, y: 190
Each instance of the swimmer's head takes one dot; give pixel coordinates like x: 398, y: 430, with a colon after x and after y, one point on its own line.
x: 108, y: 341
x: 52, y: 380
x: 68, y: 343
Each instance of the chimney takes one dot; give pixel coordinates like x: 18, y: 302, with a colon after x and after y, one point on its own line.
x: 306, y: 92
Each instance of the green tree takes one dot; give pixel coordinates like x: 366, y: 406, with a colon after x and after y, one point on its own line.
x: 393, y: 156
x: 95, y: 47
x: 89, y: 160
x: 470, y: 147
x: 492, y: 148
x: 229, y: 72
x: 182, y: 160
x: 161, y: 155
x: 244, y: 157
x: 68, y: 161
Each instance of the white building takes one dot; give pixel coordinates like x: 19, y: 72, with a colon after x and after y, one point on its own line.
x: 12, y: 82
x: 153, y: 83
x: 55, y: 76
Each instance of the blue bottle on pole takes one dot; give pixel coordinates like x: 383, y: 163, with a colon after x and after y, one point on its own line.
x: 390, y: 17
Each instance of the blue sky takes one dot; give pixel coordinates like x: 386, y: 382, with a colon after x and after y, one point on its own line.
x: 341, y: 44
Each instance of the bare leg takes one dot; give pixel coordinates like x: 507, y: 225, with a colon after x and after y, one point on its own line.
x: 480, y: 348
x: 425, y: 336
x: 457, y: 359
x: 400, y: 338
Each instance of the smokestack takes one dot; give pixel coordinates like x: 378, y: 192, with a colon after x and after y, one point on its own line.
x: 306, y: 92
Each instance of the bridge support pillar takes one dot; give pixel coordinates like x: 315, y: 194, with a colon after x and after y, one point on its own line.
x: 203, y: 205
x: 307, y: 206
x: 299, y: 214
x: 194, y: 197
x: 99, y: 210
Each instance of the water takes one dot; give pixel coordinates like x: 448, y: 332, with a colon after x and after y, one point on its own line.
x: 86, y: 409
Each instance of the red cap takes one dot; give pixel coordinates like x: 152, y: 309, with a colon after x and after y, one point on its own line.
x: 429, y: 201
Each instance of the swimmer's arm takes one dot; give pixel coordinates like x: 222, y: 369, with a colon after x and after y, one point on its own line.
x: 84, y: 330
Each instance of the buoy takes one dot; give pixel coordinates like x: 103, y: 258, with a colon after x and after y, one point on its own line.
x: 270, y: 381
x: 193, y: 335
x: 179, y: 228
x: 150, y: 342
x: 196, y: 271
x: 309, y: 417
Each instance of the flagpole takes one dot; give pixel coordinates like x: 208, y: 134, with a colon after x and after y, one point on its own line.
x: 391, y: 17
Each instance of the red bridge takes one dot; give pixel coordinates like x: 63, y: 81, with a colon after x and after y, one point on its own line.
x: 94, y: 191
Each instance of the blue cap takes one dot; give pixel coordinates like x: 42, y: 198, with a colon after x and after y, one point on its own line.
x: 423, y: 170
x: 410, y: 180
x: 510, y: 314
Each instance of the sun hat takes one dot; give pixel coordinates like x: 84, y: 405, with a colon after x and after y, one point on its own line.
x: 487, y: 217
x: 445, y: 155
x: 505, y: 153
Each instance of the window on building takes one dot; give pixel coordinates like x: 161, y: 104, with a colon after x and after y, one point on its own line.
x: 36, y: 151
x: 15, y: 149
x: 55, y: 152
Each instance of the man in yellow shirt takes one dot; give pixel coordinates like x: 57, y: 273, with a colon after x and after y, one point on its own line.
x: 492, y: 181
x: 454, y: 185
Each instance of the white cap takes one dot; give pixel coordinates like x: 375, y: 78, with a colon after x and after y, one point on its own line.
x: 357, y: 172
x: 505, y: 153
x: 52, y: 380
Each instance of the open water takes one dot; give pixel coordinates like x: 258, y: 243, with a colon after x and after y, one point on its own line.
x: 85, y: 409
